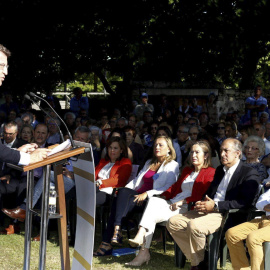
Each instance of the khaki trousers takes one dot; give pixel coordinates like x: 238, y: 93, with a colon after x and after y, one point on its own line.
x: 255, y: 232
x: 189, y: 231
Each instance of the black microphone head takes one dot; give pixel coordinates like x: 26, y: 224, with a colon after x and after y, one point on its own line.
x: 32, y: 94
x: 26, y: 96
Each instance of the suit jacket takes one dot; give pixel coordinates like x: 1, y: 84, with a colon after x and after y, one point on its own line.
x: 6, y: 170
x: 163, y: 179
x: 241, y: 191
x: 200, y: 186
x: 119, y: 174
x: 9, y: 155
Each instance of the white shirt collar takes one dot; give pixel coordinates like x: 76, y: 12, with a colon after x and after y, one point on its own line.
x: 232, y: 169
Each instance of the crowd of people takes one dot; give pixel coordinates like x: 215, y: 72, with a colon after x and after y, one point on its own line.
x: 193, y: 164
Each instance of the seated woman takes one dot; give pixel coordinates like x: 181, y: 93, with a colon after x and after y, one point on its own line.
x: 117, y: 132
x: 27, y: 133
x: 112, y: 171
x: 157, y: 175
x: 255, y: 232
x: 190, y: 187
x: 253, y: 148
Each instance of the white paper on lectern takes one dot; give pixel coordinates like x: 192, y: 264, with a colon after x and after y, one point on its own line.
x: 65, y: 145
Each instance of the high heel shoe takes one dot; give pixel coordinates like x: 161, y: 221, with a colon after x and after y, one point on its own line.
x: 117, y: 238
x: 103, y: 250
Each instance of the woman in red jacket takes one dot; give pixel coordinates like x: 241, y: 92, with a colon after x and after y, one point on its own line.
x: 112, y: 171
x: 190, y: 187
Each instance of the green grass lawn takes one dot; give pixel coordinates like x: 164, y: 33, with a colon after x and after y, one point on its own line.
x: 12, y: 246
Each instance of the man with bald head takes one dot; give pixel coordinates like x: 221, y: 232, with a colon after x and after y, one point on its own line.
x: 235, y: 185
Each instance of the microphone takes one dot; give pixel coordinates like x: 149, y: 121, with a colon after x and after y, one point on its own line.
x: 69, y: 135
x: 60, y: 131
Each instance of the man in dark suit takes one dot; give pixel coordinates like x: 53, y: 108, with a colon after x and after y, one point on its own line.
x: 235, y: 185
x: 26, y: 154
x: 11, y: 180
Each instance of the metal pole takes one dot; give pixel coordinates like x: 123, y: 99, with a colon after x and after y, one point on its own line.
x: 44, y: 216
x: 28, y: 219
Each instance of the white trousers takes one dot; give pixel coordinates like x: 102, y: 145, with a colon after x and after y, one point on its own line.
x: 157, y: 210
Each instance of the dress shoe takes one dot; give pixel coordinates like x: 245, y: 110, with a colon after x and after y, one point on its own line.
x: 37, y: 238
x: 11, y: 229
x: 16, y: 213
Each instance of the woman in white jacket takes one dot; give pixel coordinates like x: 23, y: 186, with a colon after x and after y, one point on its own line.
x: 157, y: 175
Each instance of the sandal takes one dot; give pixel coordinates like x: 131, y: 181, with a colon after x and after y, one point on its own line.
x: 103, y: 251
x: 117, y: 238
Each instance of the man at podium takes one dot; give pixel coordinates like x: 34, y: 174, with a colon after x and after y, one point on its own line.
x: 27, y: 154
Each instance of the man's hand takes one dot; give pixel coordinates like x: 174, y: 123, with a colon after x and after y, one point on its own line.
x: 28, y: 148
x: 267, y: 208
x: 140, y: 198
x: 176, y: 205
x: 5, y: 178
x: 68, y: 173
x: 205, y: 206
x: 38, y: 155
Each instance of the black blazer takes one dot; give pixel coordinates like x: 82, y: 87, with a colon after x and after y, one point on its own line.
x: 6, y: 170
x: 242, y: 189
x: 9, y: 155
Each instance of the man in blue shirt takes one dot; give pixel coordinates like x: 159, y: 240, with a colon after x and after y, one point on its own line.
x: 257, y: 102
x: 78, y: 102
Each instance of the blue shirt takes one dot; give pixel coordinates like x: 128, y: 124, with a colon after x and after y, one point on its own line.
x: 77, y: 104
x: 253, y: 101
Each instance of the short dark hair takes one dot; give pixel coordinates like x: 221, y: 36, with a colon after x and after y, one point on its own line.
x: 4, y: 50
x: 122, y: 144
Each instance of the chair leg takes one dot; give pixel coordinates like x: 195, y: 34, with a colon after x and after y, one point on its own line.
x: 212, y: 251
x: 266, y: 246
x: 164, y: 232
x: 180, y: 258
x: 223, y: 253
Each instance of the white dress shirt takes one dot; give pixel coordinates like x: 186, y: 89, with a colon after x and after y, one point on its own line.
x: 263, y: 201
x: 222, y: 188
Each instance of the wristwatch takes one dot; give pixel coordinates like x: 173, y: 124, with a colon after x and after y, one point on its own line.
x: 215, y: 209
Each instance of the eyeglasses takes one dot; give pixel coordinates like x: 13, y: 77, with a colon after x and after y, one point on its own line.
x: 179, y: 131
x: 2, y: 66
x: 220, y: 127
x: 193, y: 133
x: 257, y: 129
x: 252, y: 148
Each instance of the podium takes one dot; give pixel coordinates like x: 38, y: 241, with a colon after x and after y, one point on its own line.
x: 56, y: 161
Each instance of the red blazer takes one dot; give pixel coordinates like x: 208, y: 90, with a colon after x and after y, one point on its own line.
x: 119, y: 174
x: 201, y: 184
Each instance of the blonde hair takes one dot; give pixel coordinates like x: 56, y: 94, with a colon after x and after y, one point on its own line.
x: 171, y: 155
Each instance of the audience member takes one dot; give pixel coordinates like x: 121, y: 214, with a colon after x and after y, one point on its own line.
x: 143, y: 106
x: 9, y: 105
x: 255, y: 232
x: 260, y: 129
x: 54, y: 133
x: 112, y: 171
x: 221, y: 133
x: 136, y: 148
x: 158, y: 174
x: 190, y: 187
x: 27, y: 133
x: 253, y: 148
x: 257, y: 102
x: 78, y: 102
x: 235, y: 185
